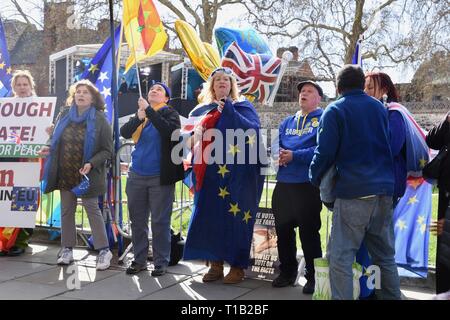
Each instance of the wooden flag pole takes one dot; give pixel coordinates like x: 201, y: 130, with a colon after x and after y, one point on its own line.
x: 135, y: 58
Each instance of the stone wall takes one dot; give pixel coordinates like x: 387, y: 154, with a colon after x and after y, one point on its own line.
x: 427, y: 114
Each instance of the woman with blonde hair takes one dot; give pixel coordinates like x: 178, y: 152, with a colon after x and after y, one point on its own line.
x: 227, y: 191
x: 79, y: 148
x: 22, y: 85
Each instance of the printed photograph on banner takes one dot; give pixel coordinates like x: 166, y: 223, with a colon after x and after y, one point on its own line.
x: 264, y: 263
x: 19, y: 194
x: 22, y: 125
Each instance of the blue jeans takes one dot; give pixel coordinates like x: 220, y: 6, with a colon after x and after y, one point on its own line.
x: 355, y: 221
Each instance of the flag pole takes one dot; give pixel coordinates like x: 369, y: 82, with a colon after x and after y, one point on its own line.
x: 286, y: 57
x: 135, y: 58
x: 119, y: 52
x: 115, y: 106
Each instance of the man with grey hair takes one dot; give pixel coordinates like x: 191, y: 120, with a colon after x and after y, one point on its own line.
x: 354, y: 136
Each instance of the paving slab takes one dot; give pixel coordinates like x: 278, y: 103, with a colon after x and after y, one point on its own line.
x: 188, y: 268
x: 125, y: 287
x: 65, y: 276
x: 414, y: 293
x: 18, y: 290
x: 10, y: 270
x: 267, y: 292
x: 194, y: 289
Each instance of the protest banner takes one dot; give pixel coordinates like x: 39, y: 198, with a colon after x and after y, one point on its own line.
x: 19, y: 194
x: 264, y: 263
x: 22, y: 125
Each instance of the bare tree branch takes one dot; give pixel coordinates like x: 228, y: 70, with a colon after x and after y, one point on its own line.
x: 19, y: 9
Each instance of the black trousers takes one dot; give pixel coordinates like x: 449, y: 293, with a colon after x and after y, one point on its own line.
x: 442, y: 272
x: 297, y: 205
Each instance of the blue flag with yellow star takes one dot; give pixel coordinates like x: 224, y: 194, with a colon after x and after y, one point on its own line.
x: 5, y: 66
x: 221, y: 226
x: 99, y: 71
x: 411, y: 227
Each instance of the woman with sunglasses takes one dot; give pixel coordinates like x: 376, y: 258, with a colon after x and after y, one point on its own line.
x: 227, y: 183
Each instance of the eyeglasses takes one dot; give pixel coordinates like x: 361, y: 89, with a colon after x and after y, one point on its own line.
x: 225, y: 70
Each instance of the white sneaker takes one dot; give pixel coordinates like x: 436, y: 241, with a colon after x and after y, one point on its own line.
x: 104, y: 259
x: 66, y: 257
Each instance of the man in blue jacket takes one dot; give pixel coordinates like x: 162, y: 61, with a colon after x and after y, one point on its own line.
x: 295, y: 201
x: 354, y: 136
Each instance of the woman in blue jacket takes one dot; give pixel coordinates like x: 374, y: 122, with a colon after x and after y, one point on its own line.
x: 151, y: 178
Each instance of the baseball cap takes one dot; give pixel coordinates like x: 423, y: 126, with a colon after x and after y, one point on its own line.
x: 301, y: 84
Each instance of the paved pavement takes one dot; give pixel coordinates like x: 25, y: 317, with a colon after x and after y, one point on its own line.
x: 35, y: 275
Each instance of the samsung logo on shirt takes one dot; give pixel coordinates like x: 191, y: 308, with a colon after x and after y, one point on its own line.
x: 299, y: 132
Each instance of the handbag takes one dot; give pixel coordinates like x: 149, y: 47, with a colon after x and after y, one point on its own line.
x: 432, y: 169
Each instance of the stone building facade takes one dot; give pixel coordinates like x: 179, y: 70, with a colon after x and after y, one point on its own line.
x: 30, y: 48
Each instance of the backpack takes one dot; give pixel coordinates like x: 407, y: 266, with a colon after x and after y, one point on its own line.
x: 176, y: 247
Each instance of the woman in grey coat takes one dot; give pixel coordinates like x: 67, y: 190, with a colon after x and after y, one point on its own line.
x: 79, y: 148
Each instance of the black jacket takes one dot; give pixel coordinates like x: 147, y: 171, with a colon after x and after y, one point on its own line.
x: 444, y: 242
x: 438, y: 137
x: 166, y: 121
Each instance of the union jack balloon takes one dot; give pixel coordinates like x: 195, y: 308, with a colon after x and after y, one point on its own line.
x: 256, y: 74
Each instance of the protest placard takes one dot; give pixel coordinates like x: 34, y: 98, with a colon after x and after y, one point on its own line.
x: 22, y: 125
x: 19, y: 194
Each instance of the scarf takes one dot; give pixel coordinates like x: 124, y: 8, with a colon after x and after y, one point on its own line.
x: 208, y: 122
x: 89, y: 140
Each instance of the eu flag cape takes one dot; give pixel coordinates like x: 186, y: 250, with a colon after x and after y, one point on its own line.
x: 221, y: 226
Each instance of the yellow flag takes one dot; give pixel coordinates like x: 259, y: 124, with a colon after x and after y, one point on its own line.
x: 143, y: 30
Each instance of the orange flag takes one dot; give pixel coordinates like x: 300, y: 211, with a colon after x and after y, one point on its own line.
x: 143, y: 30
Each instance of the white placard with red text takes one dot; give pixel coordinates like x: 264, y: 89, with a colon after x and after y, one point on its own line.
x: 19, y: 193
x: 22, y: 125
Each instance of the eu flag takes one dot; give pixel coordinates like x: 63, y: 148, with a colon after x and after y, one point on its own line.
x: 24, y: 199
x: 99, y: 71
x: 411, y: 221
x: 221, y: 226
x: 5, y: 65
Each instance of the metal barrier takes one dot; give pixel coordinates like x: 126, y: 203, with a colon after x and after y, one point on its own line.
x: 183, y: 199
x: 182, y: 207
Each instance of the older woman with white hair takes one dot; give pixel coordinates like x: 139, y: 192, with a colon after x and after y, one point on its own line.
x: 227, y: 181
x: 22, y: 85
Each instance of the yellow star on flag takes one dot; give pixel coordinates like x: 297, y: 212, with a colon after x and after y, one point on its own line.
x: 251, y: 139
x: 421, y: 220
x: 234, y: 209
x: 401, y: 224
x: 247, y: 216
x: 234, y: 149
x: 422, y: 162
x: 22, y: 208
x: 2, y: 65
x: 93, y: 68
x: 223, y: 170
x: 13, y: 206
x: 223, y: 192
x: 30, y: 207
x: 413, y: 200
x: 423, y: 228
x: 8, y: 70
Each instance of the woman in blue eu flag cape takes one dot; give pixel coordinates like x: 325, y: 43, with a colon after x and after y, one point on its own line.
x: 228, y: 187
